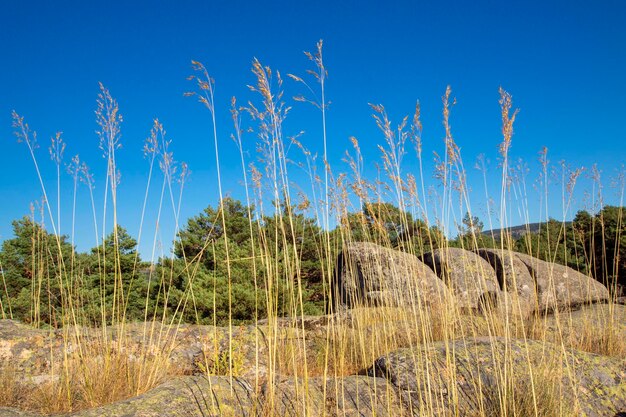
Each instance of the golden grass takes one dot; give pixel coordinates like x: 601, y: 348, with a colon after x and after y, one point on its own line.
x: 600, y: 331
x: 99, y: 374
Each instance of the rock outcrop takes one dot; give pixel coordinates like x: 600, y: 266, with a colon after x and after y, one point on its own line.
x: 514, y: 279
x: 560, y: 287
x: 471, y: 278
x: 358, y: 396
x: 188, y: 349
x: 188, y: 396
x: 462, y: 377
x: 593, y: 323
x: 12, y: 412
x: 369, y: 274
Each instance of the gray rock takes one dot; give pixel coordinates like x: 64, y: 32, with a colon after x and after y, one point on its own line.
x: 187, y: 396
x: 289, y: 397
x: 591, y: 323
x: 458, y: 377
x: 561, y: 287
x: 514, y: 278
x: 218, y: 396
x: 351, y: 396
x: 471, y: 278
x: 462, y: 377
x: 12, y: 412
x: 361, y: 396
x: 369, y: 274
x: 190, y: 349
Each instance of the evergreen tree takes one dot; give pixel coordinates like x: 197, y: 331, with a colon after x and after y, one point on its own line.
x: 601, y: 244
x: 34, y: 265
x: 386, y: 224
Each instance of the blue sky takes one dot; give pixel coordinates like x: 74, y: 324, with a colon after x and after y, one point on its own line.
x: 564, y: 62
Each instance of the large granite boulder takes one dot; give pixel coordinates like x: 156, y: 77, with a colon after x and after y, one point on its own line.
x: 369, y: 274
x: 464, y: 378
x: 471, y: 278
x: 561, y: 287
x: 514, y: 279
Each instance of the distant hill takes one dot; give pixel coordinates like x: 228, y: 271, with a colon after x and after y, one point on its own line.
x: 518, y: 231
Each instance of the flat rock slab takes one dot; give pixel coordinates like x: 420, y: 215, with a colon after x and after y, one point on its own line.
x: 188, y: 396
x: 472, y: 279
x: 218, y: 396
x: 12, y: 412
x: 369, y: 274
x: 352, y: 396
x: 190, y: 349
x: 459, y: 377
x: 601, y: 320
x: 561, y: 287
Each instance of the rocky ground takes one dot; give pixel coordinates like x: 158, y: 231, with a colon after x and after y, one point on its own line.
x: 440, y: 378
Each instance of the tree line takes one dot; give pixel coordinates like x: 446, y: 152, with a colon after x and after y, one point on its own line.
x: 235, y: 266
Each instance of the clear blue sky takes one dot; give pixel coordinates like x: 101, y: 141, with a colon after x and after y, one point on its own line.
x: 564, y: 62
